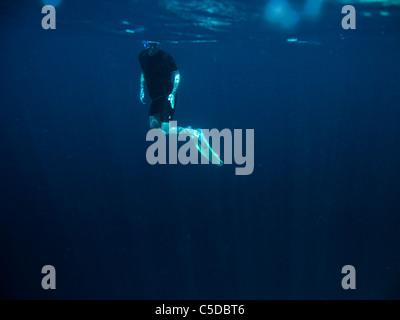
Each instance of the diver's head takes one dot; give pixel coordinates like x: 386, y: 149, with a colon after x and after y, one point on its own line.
x: 152, y: 47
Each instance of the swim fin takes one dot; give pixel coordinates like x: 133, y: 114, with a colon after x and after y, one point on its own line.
x: 205, y: 149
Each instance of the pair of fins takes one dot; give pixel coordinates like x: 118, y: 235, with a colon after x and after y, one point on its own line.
x: 202, y: 143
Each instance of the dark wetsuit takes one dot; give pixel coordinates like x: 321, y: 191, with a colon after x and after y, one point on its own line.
x: 157, y: 71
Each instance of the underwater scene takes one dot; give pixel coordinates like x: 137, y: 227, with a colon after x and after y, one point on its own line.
x: 200, y: 149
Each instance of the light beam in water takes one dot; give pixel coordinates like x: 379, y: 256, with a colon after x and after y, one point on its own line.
x: 53, y: 3
x: 280, y: 12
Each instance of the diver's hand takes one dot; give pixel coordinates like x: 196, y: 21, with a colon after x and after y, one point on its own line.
x: 171, y: 99
x: 142, y: 97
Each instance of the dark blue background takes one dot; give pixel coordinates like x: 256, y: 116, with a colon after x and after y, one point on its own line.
x: 77, y: 192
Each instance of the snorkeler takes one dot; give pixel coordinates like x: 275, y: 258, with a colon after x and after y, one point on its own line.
x: 158, y: 70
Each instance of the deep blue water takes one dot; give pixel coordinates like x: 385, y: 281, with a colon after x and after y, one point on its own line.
x: 77, y: 192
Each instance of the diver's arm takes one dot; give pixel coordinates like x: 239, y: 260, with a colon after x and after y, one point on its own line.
x: 177, y: 78
x: 142, y: 85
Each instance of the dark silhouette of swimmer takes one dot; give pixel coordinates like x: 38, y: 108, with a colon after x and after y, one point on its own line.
x: 161, y: 77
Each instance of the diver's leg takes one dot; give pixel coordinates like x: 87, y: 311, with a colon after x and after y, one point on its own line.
x: 155, y: 122
x: 165, y: 127
x: 170, y: 130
